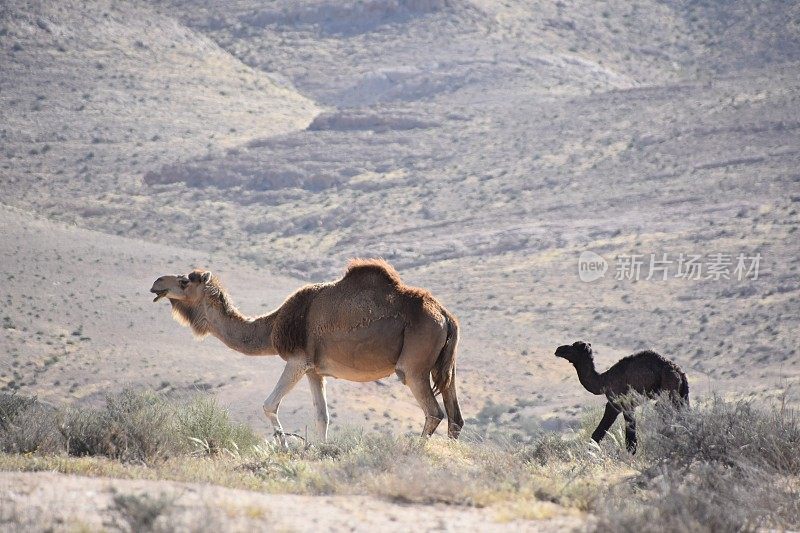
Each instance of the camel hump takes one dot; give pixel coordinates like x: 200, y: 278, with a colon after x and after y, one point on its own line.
x: 373, y: 267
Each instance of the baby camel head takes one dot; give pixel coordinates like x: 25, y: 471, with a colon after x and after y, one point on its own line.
x: 576, y: 352
x: 186, y: 289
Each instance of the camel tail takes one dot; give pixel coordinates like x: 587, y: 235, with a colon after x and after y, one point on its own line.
x: 684, y: 390
x: 444, y: 370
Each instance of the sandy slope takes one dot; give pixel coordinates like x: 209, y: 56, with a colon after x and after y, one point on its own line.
x: 94, y: 93
x: 66, y: 503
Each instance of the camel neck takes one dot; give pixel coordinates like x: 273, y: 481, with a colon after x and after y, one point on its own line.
x: 588, y: 376
x: 251, y: 336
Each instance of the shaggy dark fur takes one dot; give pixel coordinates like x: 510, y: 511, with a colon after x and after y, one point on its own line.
x: 216, y: 296
x: 290, y: 329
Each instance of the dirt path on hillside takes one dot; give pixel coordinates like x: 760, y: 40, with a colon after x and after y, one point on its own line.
x: 50, y: 501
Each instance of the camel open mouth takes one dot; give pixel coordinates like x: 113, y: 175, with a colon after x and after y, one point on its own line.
x: 159, y: 294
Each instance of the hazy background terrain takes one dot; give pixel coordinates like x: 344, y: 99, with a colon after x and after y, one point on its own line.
x: 478, y: 146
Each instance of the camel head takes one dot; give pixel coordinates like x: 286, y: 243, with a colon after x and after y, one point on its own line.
x: 576, y: 352
x: 186, y: 289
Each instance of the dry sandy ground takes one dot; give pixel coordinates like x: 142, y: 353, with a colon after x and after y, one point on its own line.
x: 38, y: 501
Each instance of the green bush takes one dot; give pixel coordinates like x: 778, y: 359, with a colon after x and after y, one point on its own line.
x: 207, y: 428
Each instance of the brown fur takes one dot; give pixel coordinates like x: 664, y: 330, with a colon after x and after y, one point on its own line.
x: 190, y: 316
x: 373, y: 266
x: 383, y: 270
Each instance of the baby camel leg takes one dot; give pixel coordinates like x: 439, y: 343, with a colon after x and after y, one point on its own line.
x: 292, y: 373
x: 630, y: 431
x: 610, y: 415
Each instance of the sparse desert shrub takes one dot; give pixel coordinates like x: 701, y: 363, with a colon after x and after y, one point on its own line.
x: 132, y: 427
x: 27, y: 426
x: 721, y: 466
x: 141, y: 511
x: 208, y: 429
x: 729, y: 433
x: 416, y: 480
x: 11, y: 405
x: 703, y: 497
x: 551, y: 447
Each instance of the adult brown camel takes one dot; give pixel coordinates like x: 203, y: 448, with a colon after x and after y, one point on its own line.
x: 646, y: 373
x: 362, y: 327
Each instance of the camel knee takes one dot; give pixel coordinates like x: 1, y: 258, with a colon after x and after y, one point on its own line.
x: 323, y: 418
x: 434, y: 411
x: 270, y: 409
x: 431, y: 423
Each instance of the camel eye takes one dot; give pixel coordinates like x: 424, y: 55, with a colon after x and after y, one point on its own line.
x: 184, y: 283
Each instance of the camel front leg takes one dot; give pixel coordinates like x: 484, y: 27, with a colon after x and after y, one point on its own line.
x: 292, y: 372
x: 317, y: 383
x: 611, y: 414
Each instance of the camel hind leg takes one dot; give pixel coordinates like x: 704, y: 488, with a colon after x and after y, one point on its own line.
x: 414, y: 370
x: 676, y: 385
x: 630, y: 431
x: 421, y: 389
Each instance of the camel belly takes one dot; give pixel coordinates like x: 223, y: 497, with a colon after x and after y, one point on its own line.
x: 363, y: 354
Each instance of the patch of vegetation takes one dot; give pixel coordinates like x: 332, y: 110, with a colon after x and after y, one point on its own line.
x: 719, y: 466
x: 209, y: 429
x: 141, y: 511
x: 132, y: 427
x: 723, y: 466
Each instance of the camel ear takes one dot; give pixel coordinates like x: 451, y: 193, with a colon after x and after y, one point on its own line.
x: 206, y: 277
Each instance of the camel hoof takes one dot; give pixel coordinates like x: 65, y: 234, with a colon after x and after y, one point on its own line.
x: 453, y: 432
x: 281, y: 438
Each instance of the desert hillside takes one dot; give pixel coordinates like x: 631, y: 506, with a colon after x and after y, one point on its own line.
x: 481, y: 147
